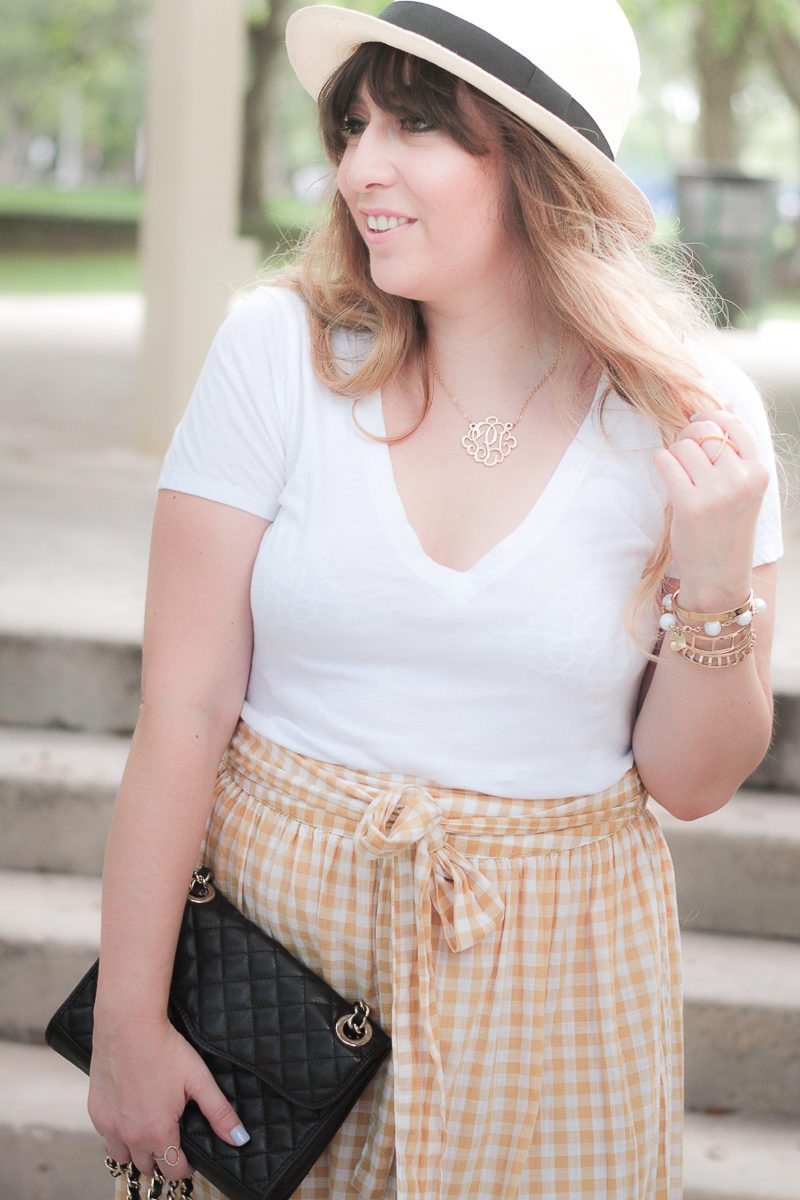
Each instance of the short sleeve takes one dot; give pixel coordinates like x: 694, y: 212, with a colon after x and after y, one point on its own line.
x: 738, y: 394
x: 231, y: 444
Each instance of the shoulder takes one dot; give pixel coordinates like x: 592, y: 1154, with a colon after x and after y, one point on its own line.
x: 732, y: 387
x: 266, y: 316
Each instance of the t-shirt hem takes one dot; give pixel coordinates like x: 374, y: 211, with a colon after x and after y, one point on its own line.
x: 222, y: 493
x: 768, y: 552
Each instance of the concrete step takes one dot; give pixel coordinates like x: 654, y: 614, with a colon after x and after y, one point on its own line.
x: 56, y: 794
x: 67, y: 682
x: 742, y: 1024
x: 742, y: 995
x: 49, y: 1150
x: 780, y: 770
x: 49, y: 936
x: 738, y: 870
x: 731, y: 1156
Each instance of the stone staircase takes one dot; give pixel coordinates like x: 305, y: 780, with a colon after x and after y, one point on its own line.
x: 66, y: 709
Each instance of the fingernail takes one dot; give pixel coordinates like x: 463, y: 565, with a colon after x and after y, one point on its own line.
x: 694, y: 417
x: 239, y: 1135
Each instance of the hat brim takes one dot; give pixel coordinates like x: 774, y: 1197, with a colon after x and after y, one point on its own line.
x: 320, y: 38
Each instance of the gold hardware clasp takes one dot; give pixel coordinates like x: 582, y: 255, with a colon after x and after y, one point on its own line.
x: 354, y: 1028
x: 201, y: 889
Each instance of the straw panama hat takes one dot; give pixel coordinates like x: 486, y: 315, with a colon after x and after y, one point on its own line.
x: 569, y: 68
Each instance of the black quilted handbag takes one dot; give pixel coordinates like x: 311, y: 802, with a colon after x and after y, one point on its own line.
x: 288, y: 1051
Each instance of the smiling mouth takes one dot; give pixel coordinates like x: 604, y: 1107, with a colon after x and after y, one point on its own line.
x: 382, y: 223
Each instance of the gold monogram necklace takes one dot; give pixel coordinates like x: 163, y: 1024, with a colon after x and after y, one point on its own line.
x: 491, y: 440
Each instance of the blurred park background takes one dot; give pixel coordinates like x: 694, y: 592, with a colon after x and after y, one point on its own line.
x: 715, y: 142
x: 154, y: 155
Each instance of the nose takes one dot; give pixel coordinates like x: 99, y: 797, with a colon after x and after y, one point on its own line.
x: 368, y: 161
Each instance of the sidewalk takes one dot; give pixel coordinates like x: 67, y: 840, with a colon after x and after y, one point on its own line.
x: 76, y: 501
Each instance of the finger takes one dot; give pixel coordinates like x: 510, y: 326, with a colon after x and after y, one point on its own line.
x: 738, y: 431
x: 172, y: 1161
x: 143, y: 1159
x: 671, y: 470
x: 117, y: 1151
x: 712, y: 439
x: 219, y: 1113
x: 684, y: 466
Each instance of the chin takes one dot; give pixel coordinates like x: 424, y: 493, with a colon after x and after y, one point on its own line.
x: 397, y: 283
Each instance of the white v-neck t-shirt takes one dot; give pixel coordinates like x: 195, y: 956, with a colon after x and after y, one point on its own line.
x: 516, y: 677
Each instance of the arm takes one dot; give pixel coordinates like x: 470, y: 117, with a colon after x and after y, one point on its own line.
x: 700, y: 732
x: 197, y: 651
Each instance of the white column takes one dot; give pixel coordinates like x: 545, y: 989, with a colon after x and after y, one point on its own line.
x: 192, y: 257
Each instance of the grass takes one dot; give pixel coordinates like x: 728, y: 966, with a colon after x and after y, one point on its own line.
x: 39, y: 270
x: 94, y: 203
x: 36, y: 273
x: 122, y: 204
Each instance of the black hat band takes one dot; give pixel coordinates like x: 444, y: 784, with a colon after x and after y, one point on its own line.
x: 490, y: 54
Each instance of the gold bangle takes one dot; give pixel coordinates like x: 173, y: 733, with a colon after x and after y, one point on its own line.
x: 716, y: 661
x: 699, y: 618
x: 681, y: 636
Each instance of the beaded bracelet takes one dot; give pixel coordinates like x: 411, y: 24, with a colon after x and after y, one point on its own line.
x: 719, y: 639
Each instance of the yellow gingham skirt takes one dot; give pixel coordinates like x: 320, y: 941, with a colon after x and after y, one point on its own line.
x: 524, y: 956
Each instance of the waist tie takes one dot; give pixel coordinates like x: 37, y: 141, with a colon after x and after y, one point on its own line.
x: 410, y: 827
x: 439, y: 876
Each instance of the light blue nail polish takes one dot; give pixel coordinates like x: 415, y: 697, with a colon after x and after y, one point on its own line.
x: 694, y: 417
x: 239, y: 1135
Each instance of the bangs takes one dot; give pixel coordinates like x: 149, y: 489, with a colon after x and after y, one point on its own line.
x: 400, y: 84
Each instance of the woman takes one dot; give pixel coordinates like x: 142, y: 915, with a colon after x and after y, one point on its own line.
x: 433, y: 617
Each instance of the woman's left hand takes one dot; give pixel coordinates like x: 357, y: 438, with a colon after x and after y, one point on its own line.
x: 715, y: 481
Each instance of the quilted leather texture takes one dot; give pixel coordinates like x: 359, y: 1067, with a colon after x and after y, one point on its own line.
x: 264, y: 1024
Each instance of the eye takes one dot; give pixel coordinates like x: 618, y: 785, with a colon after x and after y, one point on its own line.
x: 352, y: 126
x: 416, y: 123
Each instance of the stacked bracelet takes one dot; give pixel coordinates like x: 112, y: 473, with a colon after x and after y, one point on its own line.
x: 711, y: 639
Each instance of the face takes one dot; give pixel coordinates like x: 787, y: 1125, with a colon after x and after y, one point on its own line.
x: 429, y: 212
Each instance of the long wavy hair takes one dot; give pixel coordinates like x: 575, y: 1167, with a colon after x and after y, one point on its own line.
x: 630, y: 308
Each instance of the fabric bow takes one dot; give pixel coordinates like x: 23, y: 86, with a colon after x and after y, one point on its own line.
x: 404, y: 826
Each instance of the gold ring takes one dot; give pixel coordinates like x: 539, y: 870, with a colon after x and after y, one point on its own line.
x: 165, y: 1156
x: 724, y: 439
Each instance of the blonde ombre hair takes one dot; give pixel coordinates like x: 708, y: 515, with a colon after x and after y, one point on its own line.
x: 598, y: 280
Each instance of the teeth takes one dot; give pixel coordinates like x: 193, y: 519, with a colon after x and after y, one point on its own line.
x: 381, y: 224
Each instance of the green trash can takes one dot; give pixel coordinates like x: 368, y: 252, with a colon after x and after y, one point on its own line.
x: 728, y: 221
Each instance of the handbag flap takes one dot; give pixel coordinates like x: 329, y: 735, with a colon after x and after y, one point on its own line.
x: 243, y: 997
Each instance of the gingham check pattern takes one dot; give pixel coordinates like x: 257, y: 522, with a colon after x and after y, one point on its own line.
x: 523, y: 955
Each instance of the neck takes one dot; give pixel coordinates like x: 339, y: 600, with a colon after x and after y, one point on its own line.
x: 492, y: 351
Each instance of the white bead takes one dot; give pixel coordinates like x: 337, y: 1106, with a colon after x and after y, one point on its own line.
x: 712, y: 628
x: 666, y: 604
x: 744, y: 618
x: 759, y: 605
x: 667, y: 621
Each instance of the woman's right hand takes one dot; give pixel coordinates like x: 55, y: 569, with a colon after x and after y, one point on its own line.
x: 142, y: 1075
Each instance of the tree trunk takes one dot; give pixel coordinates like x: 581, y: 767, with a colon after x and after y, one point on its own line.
x: 11, y: 145
x: 783, y: 51
x: 718, y: 65
x: 265, y: 41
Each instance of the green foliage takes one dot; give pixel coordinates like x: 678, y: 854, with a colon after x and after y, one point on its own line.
x: 89, y: 47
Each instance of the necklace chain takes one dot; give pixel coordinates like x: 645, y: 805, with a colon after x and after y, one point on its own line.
x: 491, y: 440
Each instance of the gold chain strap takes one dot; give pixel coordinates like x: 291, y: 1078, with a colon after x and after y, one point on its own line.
x: 176, y: 1189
